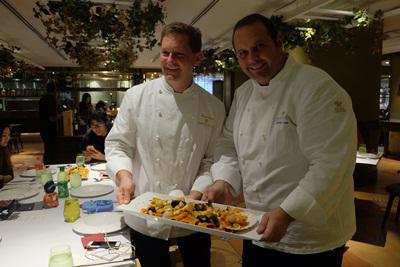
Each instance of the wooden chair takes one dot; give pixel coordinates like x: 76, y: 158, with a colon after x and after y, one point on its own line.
x: 394, y: 191
x: 15, y: 130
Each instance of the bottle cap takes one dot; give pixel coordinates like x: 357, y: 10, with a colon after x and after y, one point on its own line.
x: 62, y: 168
x: 49, y: 187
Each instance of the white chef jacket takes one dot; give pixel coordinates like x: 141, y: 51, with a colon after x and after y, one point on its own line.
x: 166, y: 140
x: 292, y: 144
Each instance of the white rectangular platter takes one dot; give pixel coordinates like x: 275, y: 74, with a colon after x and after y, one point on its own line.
x: 143, y: 200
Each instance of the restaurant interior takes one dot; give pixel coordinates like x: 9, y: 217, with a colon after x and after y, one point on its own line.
x: 359, y: 47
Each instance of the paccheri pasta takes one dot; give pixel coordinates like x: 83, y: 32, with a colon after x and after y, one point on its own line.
x: 82, y: 170
x: 202, y: 214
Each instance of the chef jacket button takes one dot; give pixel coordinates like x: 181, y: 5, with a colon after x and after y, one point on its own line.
x: 160, y: 92
x: 254, y: 189
x: 159, y: 114
x: 244, y: 186
x: 260, y: 163
x: 181, y: 162
x: 157, y: 138
x: 157, y: 160
x: 241, y: 133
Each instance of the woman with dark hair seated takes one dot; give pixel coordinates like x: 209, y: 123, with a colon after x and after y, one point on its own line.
x: 93, y: 140
x: 6, y: 169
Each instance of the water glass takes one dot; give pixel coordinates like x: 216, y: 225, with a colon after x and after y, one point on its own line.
x: 45, y: 177
x: 72, y: 210
x: 80, y: 160
x: 60, y: 256
x: 75, y: 180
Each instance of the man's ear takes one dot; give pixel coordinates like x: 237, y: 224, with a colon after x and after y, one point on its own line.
x: 280, y: 40
x: 199, y: 57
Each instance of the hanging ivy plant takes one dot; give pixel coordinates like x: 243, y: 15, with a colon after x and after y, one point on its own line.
x: 308, y: 34
x: 101, y: 36
x: 311, y: 34
x: 217, y: 62
x: 10, y: 66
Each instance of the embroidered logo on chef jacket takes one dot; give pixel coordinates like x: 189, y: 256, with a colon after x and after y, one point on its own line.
x: 339, y: 106
x: 206, y: 120
x: 284, y: 119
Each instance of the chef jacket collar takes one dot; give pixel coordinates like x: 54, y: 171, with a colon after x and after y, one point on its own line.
x: 190, y: 90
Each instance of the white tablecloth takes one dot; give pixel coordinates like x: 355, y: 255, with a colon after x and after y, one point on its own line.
x: 26, y: 237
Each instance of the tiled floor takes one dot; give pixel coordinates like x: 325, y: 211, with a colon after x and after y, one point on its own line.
x: 360, y: 254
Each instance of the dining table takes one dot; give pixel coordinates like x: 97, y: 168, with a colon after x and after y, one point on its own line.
x: 26, y: 237
x: 366, y: 169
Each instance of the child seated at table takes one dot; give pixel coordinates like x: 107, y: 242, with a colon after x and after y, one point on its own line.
x: 93, y: 140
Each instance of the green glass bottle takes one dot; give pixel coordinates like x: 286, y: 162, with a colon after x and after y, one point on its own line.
x: 62, y: 183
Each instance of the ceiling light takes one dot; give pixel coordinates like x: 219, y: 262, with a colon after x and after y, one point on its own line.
x: 391, y: 13
x: 334, y: 12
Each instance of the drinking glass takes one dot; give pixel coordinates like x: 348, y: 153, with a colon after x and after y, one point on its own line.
x: 75, y: 180
x: 72, y: 210
x: 45, y: 177
x: 60, y: 256
x: 80, y: 160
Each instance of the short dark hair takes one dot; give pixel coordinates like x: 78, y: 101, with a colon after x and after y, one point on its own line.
x: 253, y: 18
x: 193, y: 33
x: 98, y: 116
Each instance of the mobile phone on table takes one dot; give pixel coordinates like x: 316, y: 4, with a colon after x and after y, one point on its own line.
x: 103, y: 244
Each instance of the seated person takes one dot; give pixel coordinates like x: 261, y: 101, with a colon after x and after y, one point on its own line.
x: 101, y: 106
x: 93, y: 140
x: 6, y: 169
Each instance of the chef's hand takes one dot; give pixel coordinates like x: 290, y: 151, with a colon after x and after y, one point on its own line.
x: 195, y: 195
x: 273, y: 225
x: 126, y: 188
x: 219, y: 191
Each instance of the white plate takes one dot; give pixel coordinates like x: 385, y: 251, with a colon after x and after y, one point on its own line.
x: 102, y: 222
x: 99, y: 167
x: 94, y: 190
x: 143, y: 200
x: 32, y: 172
x: 19, y: 193
x: 29, y: 173
x: 364, y: 155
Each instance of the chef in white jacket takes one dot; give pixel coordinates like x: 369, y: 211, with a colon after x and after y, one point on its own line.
x: 163, y: 140
x: 289, y: 143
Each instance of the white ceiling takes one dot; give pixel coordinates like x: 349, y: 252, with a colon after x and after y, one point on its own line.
x: 215, y: 18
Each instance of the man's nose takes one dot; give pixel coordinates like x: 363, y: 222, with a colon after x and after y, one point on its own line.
x: 170, y: 57
x: 253, y: 55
